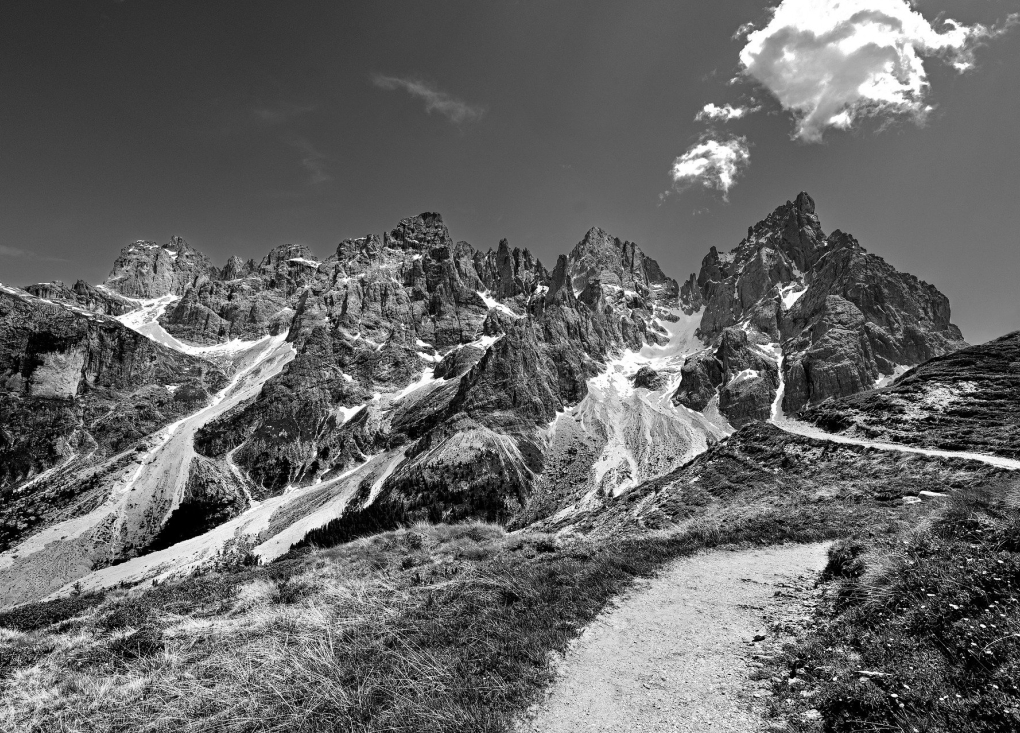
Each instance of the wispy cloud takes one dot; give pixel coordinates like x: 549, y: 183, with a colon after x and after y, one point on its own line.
x: 833, y: 62
x: 456, y: 110
x: 714, y: 164
x: 281, y: 112
x: 311, y: 160
x: 16, y: 252
x: 714, y: 113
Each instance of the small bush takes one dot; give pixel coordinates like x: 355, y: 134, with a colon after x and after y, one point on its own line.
x: 845, y: 560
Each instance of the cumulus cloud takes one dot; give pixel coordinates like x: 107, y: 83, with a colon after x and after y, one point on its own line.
x: 454, y: 109
x: 712, y: 163
x: 832, y: 62
x: 714, y: 113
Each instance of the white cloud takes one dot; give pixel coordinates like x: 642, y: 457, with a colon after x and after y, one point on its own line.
x: 712, y: 163
x: 455, y: 109
x: 832, y: 62
x: 743, y: 31
x: 714, y: 113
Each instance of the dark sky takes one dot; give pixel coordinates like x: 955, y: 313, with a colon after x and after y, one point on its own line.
x: 242, y: 125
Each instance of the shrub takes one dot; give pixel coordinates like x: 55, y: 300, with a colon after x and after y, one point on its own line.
x: 845, y: 560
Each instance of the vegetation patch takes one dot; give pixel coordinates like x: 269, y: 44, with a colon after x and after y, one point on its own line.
x: 922, y: 629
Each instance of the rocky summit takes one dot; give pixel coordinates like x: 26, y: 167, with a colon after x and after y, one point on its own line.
x: 838, y: 318
x: 182, y: 412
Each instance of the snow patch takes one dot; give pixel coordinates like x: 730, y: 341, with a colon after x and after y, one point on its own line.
x: 777, y: 403
x: 346, y: 413
x: 145, y: 320
x: 744, y: 374
x: 427, y: 378
x: 491, y: 303
x: 791, y: 295
x: 683, y: 339
x: 885, y: 380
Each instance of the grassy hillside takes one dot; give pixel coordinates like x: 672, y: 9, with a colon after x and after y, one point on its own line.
x: 968, y: 400
x: 923, y: 632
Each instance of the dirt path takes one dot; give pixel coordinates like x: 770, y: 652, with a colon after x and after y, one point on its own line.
x: 675, y: 653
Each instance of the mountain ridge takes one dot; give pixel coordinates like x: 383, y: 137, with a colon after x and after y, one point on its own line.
x: 413, y: 377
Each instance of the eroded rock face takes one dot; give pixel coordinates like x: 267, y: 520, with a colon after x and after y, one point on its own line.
x: 506, y: 343
x: 212, y: 496
x: 843, y: 316
x: 739, y: 370
x: 859, y: 319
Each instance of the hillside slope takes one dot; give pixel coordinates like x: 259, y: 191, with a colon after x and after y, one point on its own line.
x: 967, y: 400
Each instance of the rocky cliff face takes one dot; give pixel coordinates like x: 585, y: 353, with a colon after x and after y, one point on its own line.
x: 843, y: 317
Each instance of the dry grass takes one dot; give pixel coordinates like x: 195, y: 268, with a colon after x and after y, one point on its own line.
x: 427, y: 628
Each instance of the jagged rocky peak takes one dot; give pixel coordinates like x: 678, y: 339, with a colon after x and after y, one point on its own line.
x: 366, y: 248
x: 288, y: 253
x: 422, y: 232
x: 618, y: 265
x: 843, y: 316
x: 508, y: 273
x: 793, y: 230
x: 779, y: 252
x: 147, y: 270
x: 236, y: 268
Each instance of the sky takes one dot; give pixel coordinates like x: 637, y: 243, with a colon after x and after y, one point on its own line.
x: 244, y: 124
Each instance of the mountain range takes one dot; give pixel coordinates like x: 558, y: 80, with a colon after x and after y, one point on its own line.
x: 182, y: 414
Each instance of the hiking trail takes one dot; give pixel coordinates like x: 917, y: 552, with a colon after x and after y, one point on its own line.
x: 676, y: 653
